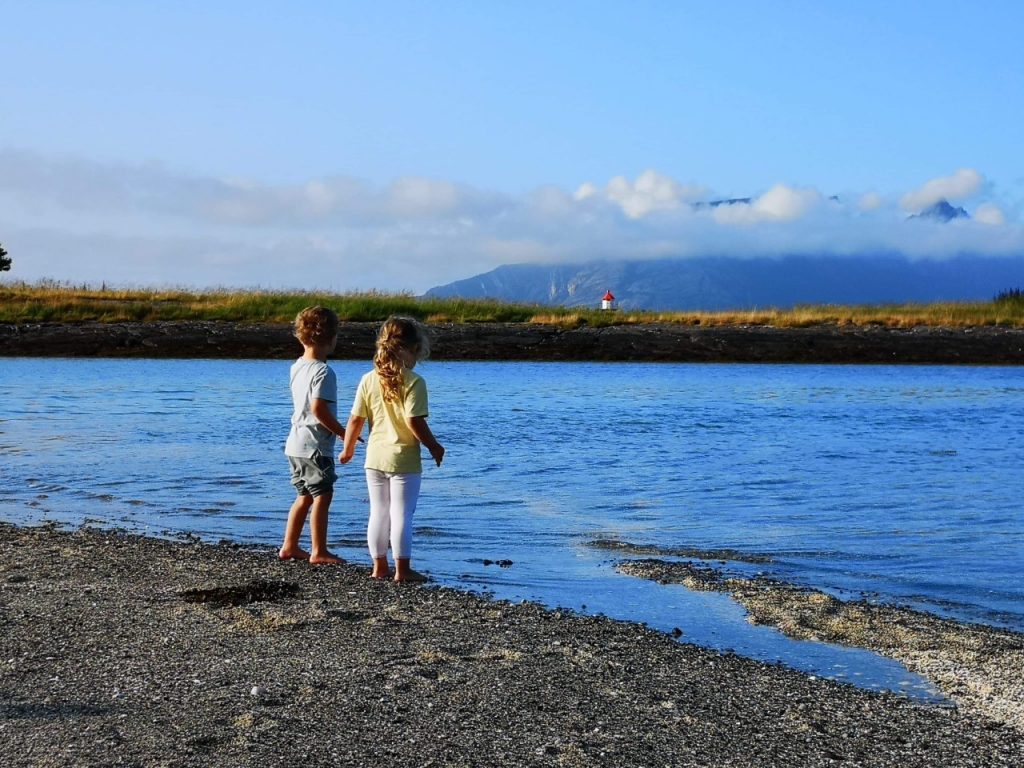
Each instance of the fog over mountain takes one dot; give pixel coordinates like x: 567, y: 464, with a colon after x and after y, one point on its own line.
x: 90, y: 221
x: 717, y: 283
x: 785, y: 247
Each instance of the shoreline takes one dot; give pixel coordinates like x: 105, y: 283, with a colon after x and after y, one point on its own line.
x: 122, y: 648
x: 989, y: 345
x: 976, y: 665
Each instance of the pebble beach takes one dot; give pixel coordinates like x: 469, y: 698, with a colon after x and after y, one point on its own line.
x: 119, y: 649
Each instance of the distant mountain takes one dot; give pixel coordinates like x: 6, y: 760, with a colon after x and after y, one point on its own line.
x: 715, y: 283
x: 717, y: 203
x: 942, y: 211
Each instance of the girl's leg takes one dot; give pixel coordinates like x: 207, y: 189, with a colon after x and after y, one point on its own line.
x: 378, y: 529
x: 405, y: 492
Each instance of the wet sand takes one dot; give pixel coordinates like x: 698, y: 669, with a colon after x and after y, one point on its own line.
x: 120, y: 649
x: 525, y: 341
x: 979, y: 667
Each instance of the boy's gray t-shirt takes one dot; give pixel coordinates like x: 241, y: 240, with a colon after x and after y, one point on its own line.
x: 311, y: 380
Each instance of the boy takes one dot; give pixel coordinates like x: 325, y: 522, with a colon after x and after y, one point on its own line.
x: 310, y: 445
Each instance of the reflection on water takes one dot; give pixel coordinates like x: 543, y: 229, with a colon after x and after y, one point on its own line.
x: 893, y: 483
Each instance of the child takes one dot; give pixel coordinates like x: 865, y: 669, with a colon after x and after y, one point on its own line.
x: 310, y: 445
x: 394, y: 400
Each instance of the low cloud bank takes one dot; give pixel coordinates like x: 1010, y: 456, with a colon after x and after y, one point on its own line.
x: 79, y: 220
x: 962, y: 185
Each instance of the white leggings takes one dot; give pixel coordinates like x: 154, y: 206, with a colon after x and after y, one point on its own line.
x: 393, y: 497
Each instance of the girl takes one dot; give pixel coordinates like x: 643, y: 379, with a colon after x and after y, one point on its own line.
x: 394, y: 400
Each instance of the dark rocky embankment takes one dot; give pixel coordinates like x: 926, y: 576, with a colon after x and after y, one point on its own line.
x: 123, y: 650
x: 523, y: 341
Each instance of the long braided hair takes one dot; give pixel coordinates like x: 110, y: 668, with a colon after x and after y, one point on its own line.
x: 398, y: 333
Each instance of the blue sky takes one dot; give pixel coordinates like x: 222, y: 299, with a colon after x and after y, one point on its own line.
x: 400, y: 145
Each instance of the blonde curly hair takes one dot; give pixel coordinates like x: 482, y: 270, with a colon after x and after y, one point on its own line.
x: 315, y: 325
x: 396, y: 334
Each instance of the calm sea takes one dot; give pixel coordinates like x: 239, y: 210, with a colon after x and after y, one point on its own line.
x: 898, y: 484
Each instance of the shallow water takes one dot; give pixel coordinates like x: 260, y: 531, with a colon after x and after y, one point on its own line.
x: 899, y: 484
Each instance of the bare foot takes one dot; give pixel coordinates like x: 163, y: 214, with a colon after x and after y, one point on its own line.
x: 325, y: 558
x: 380, y: 568
x: 410, y: 576
x: 292, y: 554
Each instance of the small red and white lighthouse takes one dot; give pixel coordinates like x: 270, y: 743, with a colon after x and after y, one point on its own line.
x: 608, y: 302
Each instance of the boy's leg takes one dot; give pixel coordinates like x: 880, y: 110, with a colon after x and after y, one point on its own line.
x: 405, y: 492
x: 378, y: 527
x: 318, y: 530
x: 290, y: 549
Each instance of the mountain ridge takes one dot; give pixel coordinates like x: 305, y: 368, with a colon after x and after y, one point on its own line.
x: 942, y: 211
x: 723, y: 283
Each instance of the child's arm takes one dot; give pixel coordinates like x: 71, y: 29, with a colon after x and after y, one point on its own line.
x: 420, y: 429
x: 352, y: 432
x: 322, y: 412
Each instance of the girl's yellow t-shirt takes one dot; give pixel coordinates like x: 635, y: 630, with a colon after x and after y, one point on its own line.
x: 391, y: 447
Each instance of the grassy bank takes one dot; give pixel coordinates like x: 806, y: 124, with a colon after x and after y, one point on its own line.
x: 52, y: 302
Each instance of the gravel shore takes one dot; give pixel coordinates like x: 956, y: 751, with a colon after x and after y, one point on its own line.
x: 122, y: 650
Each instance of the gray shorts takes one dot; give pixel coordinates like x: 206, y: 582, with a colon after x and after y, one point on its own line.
x: 313, y: 476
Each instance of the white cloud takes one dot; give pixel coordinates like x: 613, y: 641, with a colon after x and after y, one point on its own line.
x: 585, y: 191
x: 501, y: 251
x: 552, y: 202
x: 649, y: 193
x: 963, y: 184
x: 85, y: 221
x: 780, y: 203
x: 75, y: 184
x: 320, y: 197
x: 989, y: 213
x: 414, y: 196
x: 870, y: 201
x: 784, y: 203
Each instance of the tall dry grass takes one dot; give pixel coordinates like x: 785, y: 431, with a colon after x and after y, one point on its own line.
x: 60, y: 302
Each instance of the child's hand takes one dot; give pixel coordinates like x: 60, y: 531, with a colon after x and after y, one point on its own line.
x: 437, y: 452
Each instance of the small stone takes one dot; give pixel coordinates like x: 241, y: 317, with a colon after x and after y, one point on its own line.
x: 257, y: 691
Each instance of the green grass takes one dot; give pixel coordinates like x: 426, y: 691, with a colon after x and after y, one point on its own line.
x: 50, y: 302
